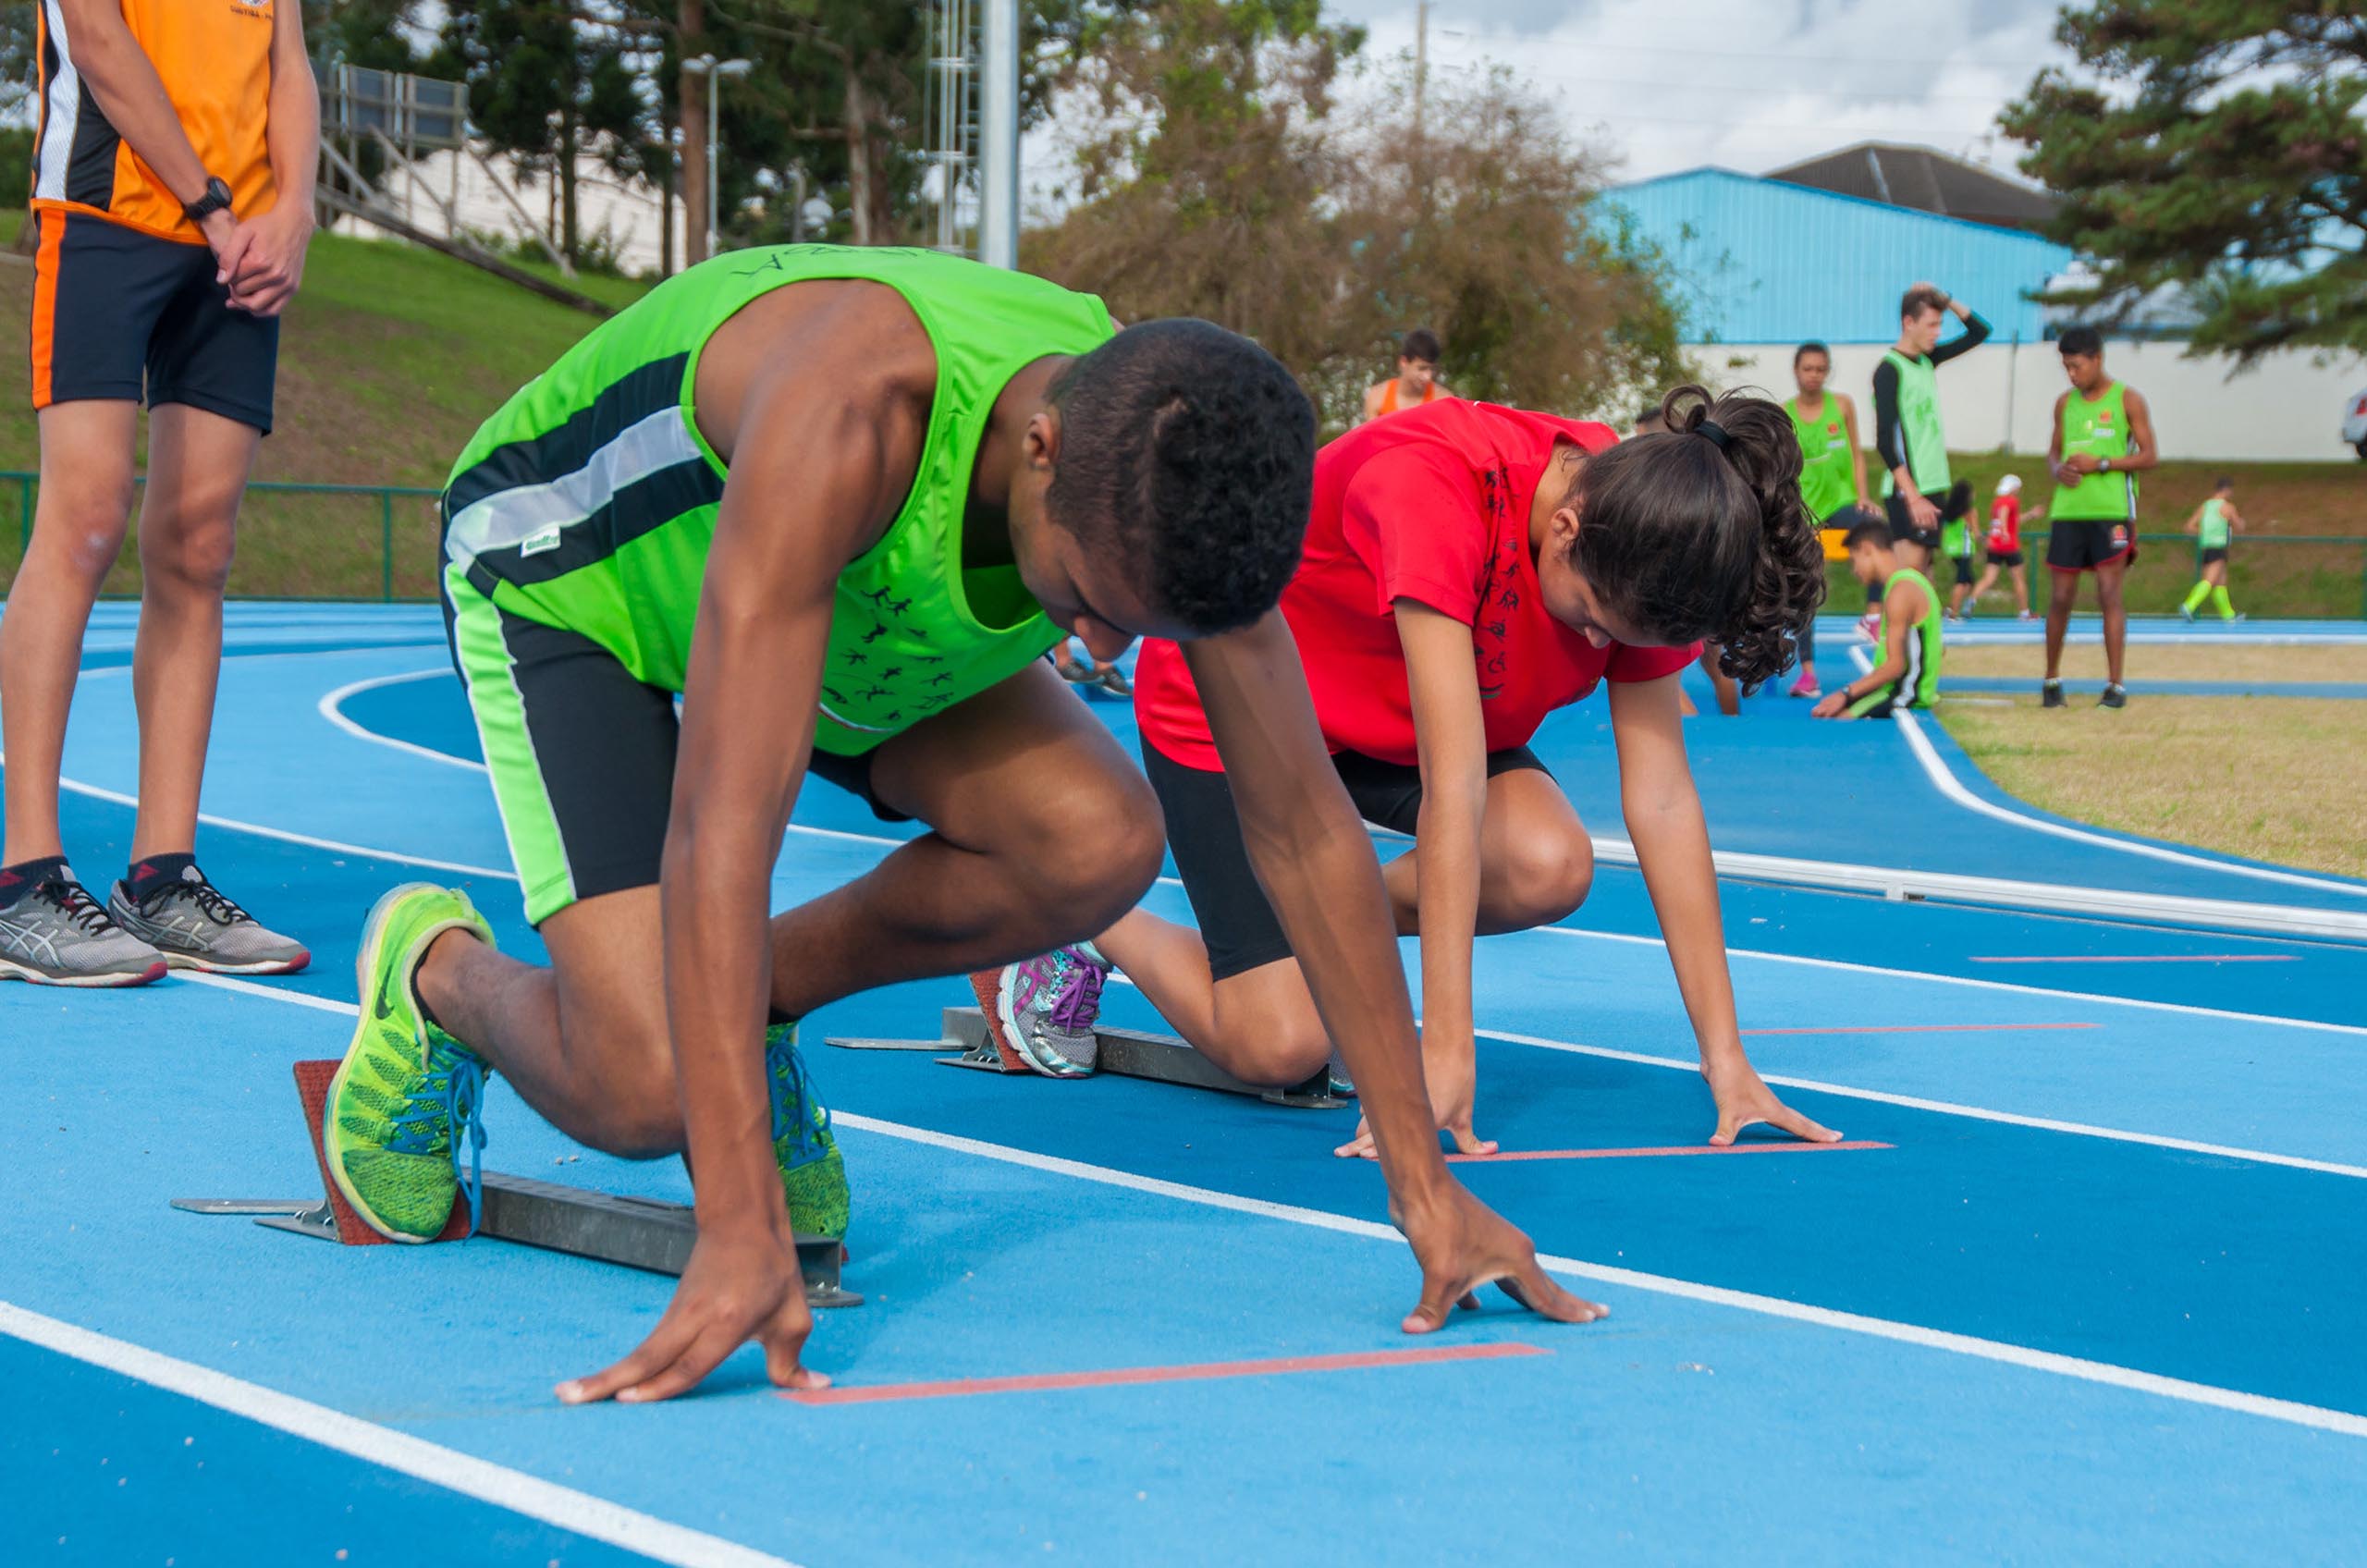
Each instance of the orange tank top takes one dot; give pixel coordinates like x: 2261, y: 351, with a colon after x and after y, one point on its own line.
x: 213, y: 57
x: 1390, y: 405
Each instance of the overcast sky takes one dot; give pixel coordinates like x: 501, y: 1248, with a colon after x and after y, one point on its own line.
x: 1663, y: 85
x: 1748, y: 84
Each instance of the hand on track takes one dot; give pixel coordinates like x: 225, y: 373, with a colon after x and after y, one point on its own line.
x: 1463, y: 1244
x: 1744, y: 1100
x: 736, y: 1288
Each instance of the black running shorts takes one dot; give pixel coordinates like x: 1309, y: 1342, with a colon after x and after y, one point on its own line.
x: 1203, y: 833
x: 118, y: 314
x: 2083, y: 544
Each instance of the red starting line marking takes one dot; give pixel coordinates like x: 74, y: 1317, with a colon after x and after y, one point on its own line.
x: 2149, y: 958
x: 1679, y: 1149
x: 1123, y: 1377
x: 1924, y: 1028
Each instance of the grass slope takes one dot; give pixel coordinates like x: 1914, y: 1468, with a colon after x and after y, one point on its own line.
x: 391, y: 358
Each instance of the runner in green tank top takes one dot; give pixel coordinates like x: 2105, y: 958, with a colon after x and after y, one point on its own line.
x: 2104, y: 438
x: 1833, y: 471
x: 2210, y: 524
x: 1919, y: 493
x: 1907, y: 674
x: 840, y: 502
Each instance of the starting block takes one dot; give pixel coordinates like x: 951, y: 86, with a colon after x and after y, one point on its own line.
x: 1129, y: 1053
x: 636, y: 1232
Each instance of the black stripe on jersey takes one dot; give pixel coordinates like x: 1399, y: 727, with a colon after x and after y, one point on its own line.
x: 620, y: 405
x: 90, y: 168
x: 643, y: 507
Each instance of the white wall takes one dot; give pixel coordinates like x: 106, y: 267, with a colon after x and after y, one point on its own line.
x: 628, y: 212
x: 2289, y: 408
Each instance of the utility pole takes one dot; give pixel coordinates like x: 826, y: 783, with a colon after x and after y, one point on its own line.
x: 690, y: 97
x: 1421, y: 59
x: 998, y: 136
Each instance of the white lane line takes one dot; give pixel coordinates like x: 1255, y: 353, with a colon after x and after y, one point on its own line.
x: 1966, y: 981
x: 332, y: 707
x: 593, y: 1517
x: 1945, y: 1108
x: 1772, y: 1306
x: 1936, y: 768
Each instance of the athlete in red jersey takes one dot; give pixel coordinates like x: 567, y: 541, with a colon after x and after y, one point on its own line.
x: 1469, y: 568
x: 2004, y: 545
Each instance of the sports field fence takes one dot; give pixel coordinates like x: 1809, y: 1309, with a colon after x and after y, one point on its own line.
x: 378, y: 543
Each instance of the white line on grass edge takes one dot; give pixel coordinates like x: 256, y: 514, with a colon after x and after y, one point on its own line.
x: 2287, y: 1411
x: 1944, y: 779
x: 581, y: 1513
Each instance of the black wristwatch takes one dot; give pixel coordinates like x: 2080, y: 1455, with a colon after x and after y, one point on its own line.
x: 216, y: 200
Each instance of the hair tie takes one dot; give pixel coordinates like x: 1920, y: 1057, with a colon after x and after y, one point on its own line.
x: 1713, y: 430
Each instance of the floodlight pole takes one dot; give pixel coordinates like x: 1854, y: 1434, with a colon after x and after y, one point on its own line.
x: 715, y: 71
x: 999, y: 137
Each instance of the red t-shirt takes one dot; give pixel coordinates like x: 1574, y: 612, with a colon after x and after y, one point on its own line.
x: 2005, y: 523
x: 1431, y: 505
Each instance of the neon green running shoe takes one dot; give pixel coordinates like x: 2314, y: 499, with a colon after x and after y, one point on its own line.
x: 405, y: 1084
x: 812, y: 1174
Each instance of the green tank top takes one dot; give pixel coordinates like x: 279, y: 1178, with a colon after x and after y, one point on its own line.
x: 2099, y: 427
x: 1826, y: 485
x: 2214, y: 524
x: 588, y: 502
x: 1919, y: 686
x: 1919, y: 425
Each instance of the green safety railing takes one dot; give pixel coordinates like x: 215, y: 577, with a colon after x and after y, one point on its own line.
x: 316, y: 541
x: 380, y: 503
x: 2271, y: 576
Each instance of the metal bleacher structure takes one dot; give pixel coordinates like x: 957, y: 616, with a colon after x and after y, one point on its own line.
x: 402, y: 117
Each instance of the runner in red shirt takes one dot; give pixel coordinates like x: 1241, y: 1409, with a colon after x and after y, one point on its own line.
x: 2004, y: 545
x: 1469, y: 568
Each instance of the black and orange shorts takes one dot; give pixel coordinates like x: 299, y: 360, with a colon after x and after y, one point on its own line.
x: 120, y: 314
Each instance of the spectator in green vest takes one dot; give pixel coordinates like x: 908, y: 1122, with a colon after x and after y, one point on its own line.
x: 2103, y: 436
x: 1918, y: 492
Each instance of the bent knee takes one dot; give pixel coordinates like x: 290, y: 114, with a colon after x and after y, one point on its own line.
x: 1273, y: 1055
x: 1546, y: 878
x: 631, y: 1069
x: 1098, y: 848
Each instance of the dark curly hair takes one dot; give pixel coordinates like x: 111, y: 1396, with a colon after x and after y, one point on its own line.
x: 1189, y: 452
x: 1690, y: 540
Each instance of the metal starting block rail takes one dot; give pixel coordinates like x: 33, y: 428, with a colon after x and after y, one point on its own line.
x: 606, y: 1227
x: 1129, y: 1053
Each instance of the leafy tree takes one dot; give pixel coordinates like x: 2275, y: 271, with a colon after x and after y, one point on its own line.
x: 2214, y: 147
x: 545, y: 84
x: 1216, y: 179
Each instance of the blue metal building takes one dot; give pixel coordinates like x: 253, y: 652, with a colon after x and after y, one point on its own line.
x: 1763, y: 261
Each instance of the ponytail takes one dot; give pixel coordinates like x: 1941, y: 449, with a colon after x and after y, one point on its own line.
x: 1701, y: 532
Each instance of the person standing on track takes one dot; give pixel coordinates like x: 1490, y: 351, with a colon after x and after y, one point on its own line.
x: 881, y: 484
x: 1833, y: 471
x: 1469, y: 571
x: 2003, y: 544
x: 2210, y: 525
x: 173, y: 195
x: 1918, y: 492
x: 2104, y: 438
x: 1414, y: 386
x: 1911, y: 637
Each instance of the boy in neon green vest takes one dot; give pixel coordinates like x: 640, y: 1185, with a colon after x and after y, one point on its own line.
x: 2104, y: 438
x: 843, y: 501
x: 1919, y: 493
x: 2210, y: 525
x: 1911, y: 635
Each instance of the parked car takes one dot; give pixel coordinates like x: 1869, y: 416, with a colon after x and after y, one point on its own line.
x: 2354, y: 427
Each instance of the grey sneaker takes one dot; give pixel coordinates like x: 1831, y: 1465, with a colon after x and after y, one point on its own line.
x: 195, y: 926
x: 1040, y: 1014
x: 57, y: 935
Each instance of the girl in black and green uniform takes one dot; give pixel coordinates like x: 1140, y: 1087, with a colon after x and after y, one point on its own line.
x: 1832, y: 471
x: 2211, y: 524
